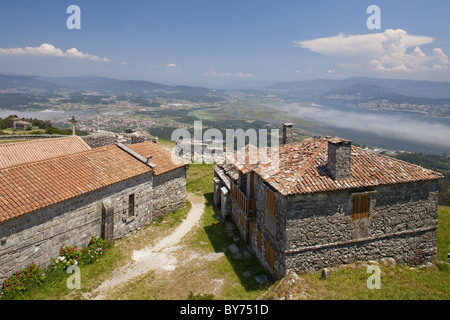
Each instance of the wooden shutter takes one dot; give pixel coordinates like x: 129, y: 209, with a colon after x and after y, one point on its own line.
x: 270, y: 255
x: 259, y: 242
x: 361, y: 207
x: 270, y: 201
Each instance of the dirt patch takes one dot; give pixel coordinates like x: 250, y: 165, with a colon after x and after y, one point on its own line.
x: 161, y: 257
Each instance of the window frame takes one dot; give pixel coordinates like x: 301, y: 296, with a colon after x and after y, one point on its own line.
x: 131, y: 205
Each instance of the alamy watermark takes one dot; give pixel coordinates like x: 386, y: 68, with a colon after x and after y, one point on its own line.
x: 74, y: 281
x: 74, y: 20
x: 374, y: 21
x: 374, y: 280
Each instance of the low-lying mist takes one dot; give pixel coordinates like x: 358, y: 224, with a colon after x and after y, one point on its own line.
x: 393, y: 128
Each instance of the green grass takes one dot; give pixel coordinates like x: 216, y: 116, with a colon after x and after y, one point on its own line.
x: 213, y: 237
x: 200, y: 179
x: 443, y: 233
x: 397, y: 283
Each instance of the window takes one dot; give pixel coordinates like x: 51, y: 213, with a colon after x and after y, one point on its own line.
x: 361, y: 207
x: 270, y: 255
x: 131, y: 205
x: 270, y: 201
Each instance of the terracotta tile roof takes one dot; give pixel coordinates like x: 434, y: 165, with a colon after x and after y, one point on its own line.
x: 161, y: 157
x: 12, y: 154
x: 302, y: 169
x: 32, y: 186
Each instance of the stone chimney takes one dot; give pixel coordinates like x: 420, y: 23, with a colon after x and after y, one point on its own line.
x: 288, y: 135
x: 339, y: 158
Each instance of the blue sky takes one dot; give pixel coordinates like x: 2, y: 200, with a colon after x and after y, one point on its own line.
x: 223, y: 42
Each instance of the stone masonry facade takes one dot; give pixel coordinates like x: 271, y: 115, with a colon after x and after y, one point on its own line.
x: 38, y: 236
x: 171, y: 183
x: 310, y: 232
x: 329, y: 204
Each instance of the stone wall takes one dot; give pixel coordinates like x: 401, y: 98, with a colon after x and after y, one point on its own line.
x: 38, y: 236
x: 402, y: 224
x: 98, y: 140
x: 270, y: 227
x: 169, y: 191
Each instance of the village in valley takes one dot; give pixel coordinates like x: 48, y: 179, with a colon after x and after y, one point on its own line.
x: 323, y: 204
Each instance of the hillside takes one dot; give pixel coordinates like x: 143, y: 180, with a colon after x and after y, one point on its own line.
x: 411, y: 88
x: 28, y: 82
x: 105, y: 86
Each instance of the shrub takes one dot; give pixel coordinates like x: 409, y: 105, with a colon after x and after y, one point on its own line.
x: 22, y: 280
x: 68, y: 256
x: 94, y: 250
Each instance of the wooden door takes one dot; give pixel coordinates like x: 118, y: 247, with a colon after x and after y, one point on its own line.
x: 107, y: 225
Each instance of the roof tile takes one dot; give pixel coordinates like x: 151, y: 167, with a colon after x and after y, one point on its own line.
x: 161, y: 157
x: 302, y: 169
x: 39, y: 184
x: 12, y: 154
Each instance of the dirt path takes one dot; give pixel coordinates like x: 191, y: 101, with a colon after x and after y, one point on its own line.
x: 162, y: 256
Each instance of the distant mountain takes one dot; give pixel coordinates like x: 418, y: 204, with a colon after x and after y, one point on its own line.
x: 411, y: 88
x: 104, y: 85
x: 29, y: 82
x: 140, y: 88
x: 362, y: 92
x: 306, y: 88
x: 375, y: 97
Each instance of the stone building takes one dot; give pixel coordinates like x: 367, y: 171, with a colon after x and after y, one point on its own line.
x: 18, y: 124
x: 66, y: 199
x: 329, y: 203
x: 169, y: 177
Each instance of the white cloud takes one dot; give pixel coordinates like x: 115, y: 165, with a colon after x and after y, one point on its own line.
x: 48, y: 50
x: 244, y: 75
x: 213, y: 73
x: 172, y: 68
x: 386, y: 51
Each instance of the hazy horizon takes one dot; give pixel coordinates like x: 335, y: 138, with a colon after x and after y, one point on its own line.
x: 215, y: 43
